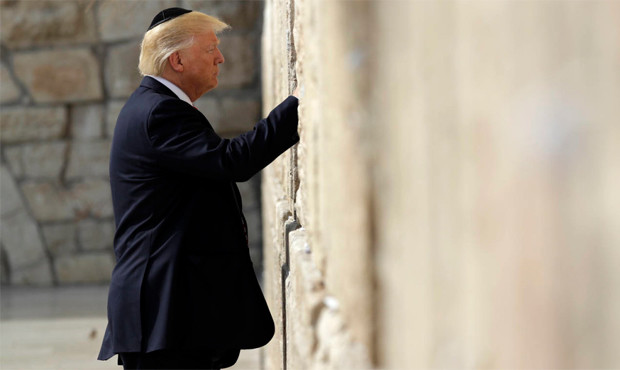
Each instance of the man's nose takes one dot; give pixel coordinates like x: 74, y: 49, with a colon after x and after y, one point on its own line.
x: 220, y: 57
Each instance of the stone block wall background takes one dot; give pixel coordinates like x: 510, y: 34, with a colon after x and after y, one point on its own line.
x: 67, y: 68
x: 453, y: 202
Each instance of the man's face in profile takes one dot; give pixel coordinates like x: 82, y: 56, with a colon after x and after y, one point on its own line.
x: 201, y: 62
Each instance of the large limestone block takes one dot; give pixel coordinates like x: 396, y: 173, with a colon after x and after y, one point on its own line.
x: 305, y: 292
x: 21, y: 240
x: 335, y: 347
x: 84, y: 268
x: 230, y: 116
x: 10, y: 200
x: 38, y: 274
x: 41, y: 23
x: 60, y: 238
x: 8, y: 89
x: 20, y: 236
x: 254, y: 227
x: 50, y: 202
x: 238, y: 115
x: 37, y: 160
x: 59, y: 76
x: 250, y: 193
x: 241, y: 56
x: 96, y: 235
x: 87, y: 122
x: 4, y: 273
x: 114, y: 109
x: 89, y: 159
x: 121, y: 69
x: 18, y: 124
x: 240, y: 15
x: 119, y: 20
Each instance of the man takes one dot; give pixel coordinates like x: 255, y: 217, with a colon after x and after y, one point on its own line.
x: 183, y: 293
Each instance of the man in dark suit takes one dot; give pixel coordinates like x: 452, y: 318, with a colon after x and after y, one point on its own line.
x: 183, y: 293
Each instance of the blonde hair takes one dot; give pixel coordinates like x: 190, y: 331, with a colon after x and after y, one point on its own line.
x: 171, y: 36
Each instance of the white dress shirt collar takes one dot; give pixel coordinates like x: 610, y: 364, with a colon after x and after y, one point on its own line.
x: 174, y: 88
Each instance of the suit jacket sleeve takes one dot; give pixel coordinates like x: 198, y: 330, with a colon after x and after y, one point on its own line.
x: 184, y: 141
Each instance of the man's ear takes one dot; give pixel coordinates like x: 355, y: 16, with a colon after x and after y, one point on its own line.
x: 175, y: 62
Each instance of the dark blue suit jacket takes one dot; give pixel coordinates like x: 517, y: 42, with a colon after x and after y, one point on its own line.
x: 184, y: 278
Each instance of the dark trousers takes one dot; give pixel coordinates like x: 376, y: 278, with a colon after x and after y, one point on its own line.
x: 179, y: 359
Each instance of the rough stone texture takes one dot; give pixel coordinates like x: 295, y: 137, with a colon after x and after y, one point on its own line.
x: 60, y: 238
x: 89, y: 159
x: 87, y: 122
x: 240, y: 15
x: 120, y: 20
x: 84, y: 268
x: 50, y: 202
x: 210, y: 107
x: 230, y: 116
x: 21, y: 240
x: 38, y: 274
x: 114, y: 108
x: 10, y: 198
x: 238, y: 115
x: 4, y: 268
x: 305, y: 292
x: 37, y: 160
x: 9, y: 91
x: 38, y: 23
x: 18, y: 124
x: 20, y: 237
x: 59, y: 75
x: 250, y: 192
x: 121, y: 69
x: 453, y: 183
x: 96, y: 235
x: 240, y: 68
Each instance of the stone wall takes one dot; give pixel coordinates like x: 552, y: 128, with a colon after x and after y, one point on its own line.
x: 453, y: 202
x: 67, y: 68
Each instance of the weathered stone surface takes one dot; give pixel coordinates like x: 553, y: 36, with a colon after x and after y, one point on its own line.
x: 18, y: 124
x: 38, y: 23
x: 230, y: 117
x: 87, y: 122
x: 37, y: 160
x: 336, y: 349
x: 96, y: 235
x: 89, y: 159
x: 60, y: 238
x: 241, y: 61
x: 18, y: 231
x: 38, y: 274
x: 21, y: 239
x: 121, y: 69
x: 114, y: 108
x: 119, y: 20
x: 238, y: 115
x: 305, y: 293
x: 4, y: 267
x: 254, y: 227
x: 210, y: 107
x: 84, y: 268
x: 240, y: 15
x: 10, y: 199
x: 59, y: 76
x: 250, y: 193
x: 8, y: 89
x: 49, y: 202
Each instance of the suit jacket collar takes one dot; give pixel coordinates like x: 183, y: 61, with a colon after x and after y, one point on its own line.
x: 151, y: 83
